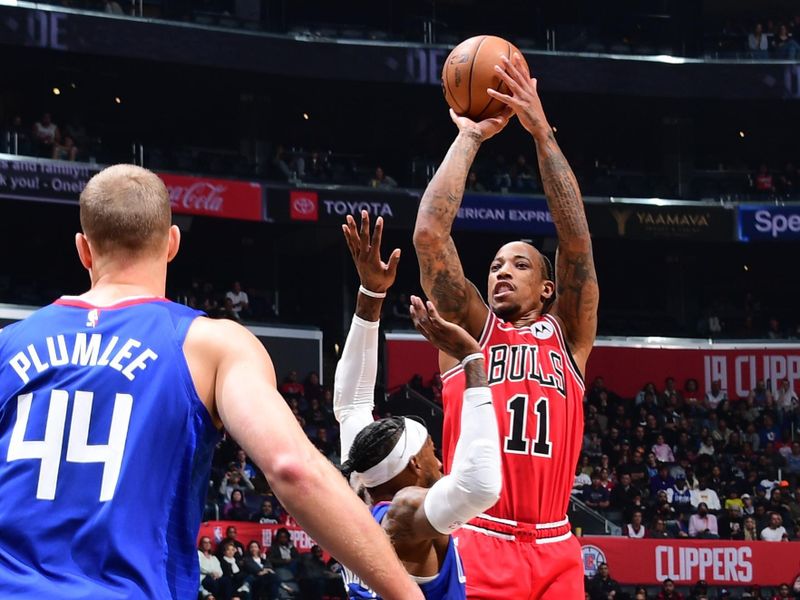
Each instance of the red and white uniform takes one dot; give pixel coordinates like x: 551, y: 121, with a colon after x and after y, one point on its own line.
x: 522, y: 547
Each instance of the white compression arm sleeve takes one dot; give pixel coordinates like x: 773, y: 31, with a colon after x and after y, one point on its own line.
x: 354, y: 384
x: 474, y: 482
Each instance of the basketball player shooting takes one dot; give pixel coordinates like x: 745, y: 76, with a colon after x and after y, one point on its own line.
x: 536, y: 335
x: 111, y: 404
x: 393, y: 458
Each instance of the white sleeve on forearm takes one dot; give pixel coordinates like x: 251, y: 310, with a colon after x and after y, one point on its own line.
x: 354, y: 383
x: 475, y: 479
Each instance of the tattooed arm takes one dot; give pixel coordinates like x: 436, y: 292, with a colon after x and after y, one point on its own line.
x: 441, y: 273
x: 577, y: 292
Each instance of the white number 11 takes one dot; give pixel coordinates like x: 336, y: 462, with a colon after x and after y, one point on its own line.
x: 48, y: 450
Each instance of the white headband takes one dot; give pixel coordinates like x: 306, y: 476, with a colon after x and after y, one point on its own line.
x: 410, y: 443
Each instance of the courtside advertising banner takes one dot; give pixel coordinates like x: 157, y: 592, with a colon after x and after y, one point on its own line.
x: 330, y: 205
x: 499, y: 213
x: 664, y: 221
x: 738, y: 367
x: 718, y: 562
x: 43, y: 180
x: 263, y: 533
x: 770, y: 223
x: 224, y: 198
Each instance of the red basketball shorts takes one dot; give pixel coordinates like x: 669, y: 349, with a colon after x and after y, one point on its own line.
x: 519, y: 562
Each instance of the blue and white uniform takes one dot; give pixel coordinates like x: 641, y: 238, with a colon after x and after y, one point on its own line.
x: 448, y: 584
x: 105, y: 453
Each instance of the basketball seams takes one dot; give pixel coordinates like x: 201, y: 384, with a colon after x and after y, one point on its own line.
x: 471, y: 70
x: 499, y: 88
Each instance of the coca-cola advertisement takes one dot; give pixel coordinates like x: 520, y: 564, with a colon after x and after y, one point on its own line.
x: 224, y: 198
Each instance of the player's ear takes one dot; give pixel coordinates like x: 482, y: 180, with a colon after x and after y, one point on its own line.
x: 84, y: 251
x: 548, y: 290
x: 174, y: 243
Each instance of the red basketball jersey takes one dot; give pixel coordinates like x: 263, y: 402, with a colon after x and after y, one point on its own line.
x: 538, y: 399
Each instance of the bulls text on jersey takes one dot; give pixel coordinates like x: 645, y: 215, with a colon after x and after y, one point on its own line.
x: 520, y: 362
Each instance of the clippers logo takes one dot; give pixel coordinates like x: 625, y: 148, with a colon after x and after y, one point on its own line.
x: 542, y: 330
x: 593, y: 557
x: 93, y: 317
x: 303, y: 206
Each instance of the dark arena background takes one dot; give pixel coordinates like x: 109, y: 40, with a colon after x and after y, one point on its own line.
x: 271, y: 120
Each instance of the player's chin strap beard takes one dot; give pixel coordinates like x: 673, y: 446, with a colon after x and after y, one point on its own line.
x: 411, y: 442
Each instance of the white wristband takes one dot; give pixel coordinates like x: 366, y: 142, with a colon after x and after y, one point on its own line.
x: 371, y: 294
x: 470, y: 357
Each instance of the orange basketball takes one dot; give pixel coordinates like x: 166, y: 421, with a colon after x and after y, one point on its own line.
x: 469, y: 71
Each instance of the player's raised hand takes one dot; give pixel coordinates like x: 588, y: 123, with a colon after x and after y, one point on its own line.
x: 482, y: 130
x: 446, y: 336
x: 524, y: 98
x: 376, y: 275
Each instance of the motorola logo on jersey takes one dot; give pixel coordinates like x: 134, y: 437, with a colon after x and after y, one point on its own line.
x: 542, y: 330
x: 520, y: 362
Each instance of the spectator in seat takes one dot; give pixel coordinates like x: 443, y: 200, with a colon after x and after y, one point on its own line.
x: 763, y: 182
x: 581, y: 481
x: 267, y: 514
x: 703, y: 524
x: 757, y: 42
x: 231, y: 536
x: 794, y: 505
x: 240, y: 301
x: 658, y: 529
x: 749, y: 529
x: 715, y: 396
x: 522, y: 174
x: 699, y: 590
x: 783, y: 45
x: 293, y: 168
x: 596, y: 496
x: 311, y: 387
x: 314, y: 575
x: 236, y: 509
x: 235, y: 479
x: 637, y: 469
x: 231, y: 570
x: 382, y: 180
x: 66, y: 151
x: 283, y: 553
x: 46, y: 135
x: 731, y: 524
x: 623, y: 493
x: 680, y: 496
x: 211, y: 580
x: 775, y: 531
x: 291, y: 387
x: 601, y: 586
x: 662, y: 481
x: 784, y: 591
x: 635, y: 529
x: 662, y: 450
x: 473, y: 185
x: 705, y: 495
x: 668, y: 591
x: 263, y: 580
x: 243, y: 465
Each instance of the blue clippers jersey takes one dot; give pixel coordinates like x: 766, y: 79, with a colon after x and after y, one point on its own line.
x: 448, y: 585
x: 105, y: 453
